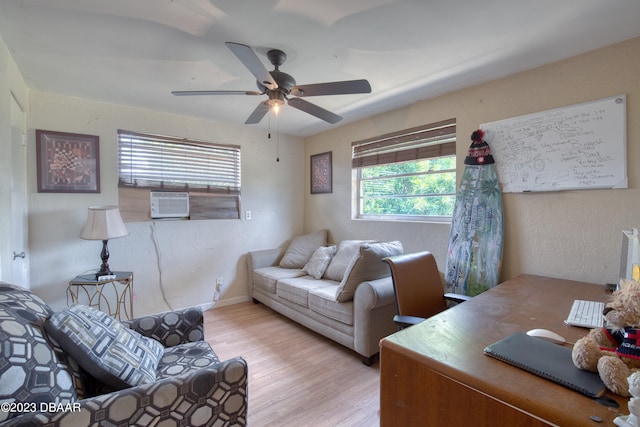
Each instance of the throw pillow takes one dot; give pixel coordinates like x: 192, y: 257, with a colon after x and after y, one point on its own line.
x: 367, y: 265
x: 319, y: 261
x: 301, y: 248
x: 111, y: 352
x: 345, y: 251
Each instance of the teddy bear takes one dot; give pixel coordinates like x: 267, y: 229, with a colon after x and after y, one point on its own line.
x: 614, y: 351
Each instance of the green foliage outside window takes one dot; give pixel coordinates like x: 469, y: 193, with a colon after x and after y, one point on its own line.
x: 416, y: 188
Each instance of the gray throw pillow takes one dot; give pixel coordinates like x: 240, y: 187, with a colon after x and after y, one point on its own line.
x: 301, y: 248
x: 367, y: 265
x: 345, y: 252
x: 319, y: 261
x: 111, y: 352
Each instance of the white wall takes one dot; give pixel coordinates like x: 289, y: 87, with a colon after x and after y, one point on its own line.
x: 11, y: 85
x: 183, y: 258
x: 570, y: 234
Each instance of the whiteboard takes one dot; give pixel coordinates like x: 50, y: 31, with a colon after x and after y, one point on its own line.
x: 583, y: 146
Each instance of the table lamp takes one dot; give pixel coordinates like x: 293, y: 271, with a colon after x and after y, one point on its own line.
x: 104, y: 223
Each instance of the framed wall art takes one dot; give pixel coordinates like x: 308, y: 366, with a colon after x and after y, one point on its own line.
x: 67, y: 162
x: 321, y: 179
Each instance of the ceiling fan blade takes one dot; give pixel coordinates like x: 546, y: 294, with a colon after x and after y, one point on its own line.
x: 332, y: 88
x: 214, y: 92
x: 258, y: 113
x: 314, y: 110
x: 248, y: 57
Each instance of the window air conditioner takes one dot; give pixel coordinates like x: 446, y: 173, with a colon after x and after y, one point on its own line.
x: 169, y: 204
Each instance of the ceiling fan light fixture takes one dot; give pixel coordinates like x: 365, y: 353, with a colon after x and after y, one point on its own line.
x: 276, y: 100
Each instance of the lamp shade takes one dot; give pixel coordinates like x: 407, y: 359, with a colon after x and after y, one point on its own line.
x: 103, y: 223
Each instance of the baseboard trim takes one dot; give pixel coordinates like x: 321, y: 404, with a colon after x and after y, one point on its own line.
x: 223, y: 302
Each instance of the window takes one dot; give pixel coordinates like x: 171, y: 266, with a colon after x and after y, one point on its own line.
x: 210, y: 172
x: 407, y: 175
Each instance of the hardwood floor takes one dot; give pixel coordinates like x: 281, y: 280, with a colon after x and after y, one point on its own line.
x: 296, y: 377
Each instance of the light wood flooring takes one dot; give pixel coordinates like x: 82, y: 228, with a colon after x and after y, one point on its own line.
x: 296, y: 377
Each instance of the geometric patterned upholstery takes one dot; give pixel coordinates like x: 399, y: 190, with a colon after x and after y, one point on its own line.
x: 171, y: 328
x: 17, y: 298
x: 184, y: 358
x: 29, y: 369
x: 215, y: 396
x: 192, y: 387
x: 114, y: 354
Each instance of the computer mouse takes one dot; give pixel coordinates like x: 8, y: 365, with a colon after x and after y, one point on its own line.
x: 547, y: 336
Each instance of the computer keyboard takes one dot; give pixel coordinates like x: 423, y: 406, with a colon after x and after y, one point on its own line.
x: 586, y: 314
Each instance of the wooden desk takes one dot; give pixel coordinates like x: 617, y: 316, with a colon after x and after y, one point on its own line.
x: 435, y: 373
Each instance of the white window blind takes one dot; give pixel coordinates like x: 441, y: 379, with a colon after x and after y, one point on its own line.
x: 161, y: 162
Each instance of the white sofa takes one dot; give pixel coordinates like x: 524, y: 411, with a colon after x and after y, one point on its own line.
x: 344, y: 291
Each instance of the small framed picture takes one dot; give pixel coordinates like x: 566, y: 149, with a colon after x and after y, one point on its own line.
x: 67, y: 162
x: 321, y: 179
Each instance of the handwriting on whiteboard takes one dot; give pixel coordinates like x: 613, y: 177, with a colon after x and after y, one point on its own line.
x: 577, y: 147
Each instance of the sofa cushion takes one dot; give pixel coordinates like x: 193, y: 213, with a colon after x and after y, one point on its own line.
x: 266, y: 278
x: 111, y: 352
x: 184, y: 358
x: 319, y: 261
x: 345, y: 251
x: 323, y: 301
x: 29, y: 369
x: 367, y: 265
x: 297, y: 289
x: 301, y: 248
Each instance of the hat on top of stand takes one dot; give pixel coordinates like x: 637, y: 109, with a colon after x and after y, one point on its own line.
x: 479, y: 151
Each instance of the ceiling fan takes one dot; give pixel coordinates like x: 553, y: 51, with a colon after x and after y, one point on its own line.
x: 278, y: 86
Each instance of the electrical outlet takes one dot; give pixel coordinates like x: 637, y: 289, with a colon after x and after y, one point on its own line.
x: 247, y: 215
x: 216, y: 294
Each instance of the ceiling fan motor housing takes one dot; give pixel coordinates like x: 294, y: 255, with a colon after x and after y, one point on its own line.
x: 285, y: 81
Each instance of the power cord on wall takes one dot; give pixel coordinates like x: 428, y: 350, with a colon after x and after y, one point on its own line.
x: 154, y: 239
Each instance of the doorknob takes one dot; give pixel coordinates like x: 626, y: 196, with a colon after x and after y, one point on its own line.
x: 20, y: 255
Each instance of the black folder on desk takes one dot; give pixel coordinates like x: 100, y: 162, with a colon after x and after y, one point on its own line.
x: 548, y: 360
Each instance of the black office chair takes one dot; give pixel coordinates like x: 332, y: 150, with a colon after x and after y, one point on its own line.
x: 418, y: 287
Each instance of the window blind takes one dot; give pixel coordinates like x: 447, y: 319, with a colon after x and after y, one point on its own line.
x: 422, y: 142
x: 161, y: 162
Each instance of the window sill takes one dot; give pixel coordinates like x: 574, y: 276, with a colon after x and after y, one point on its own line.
x: 405, y: 219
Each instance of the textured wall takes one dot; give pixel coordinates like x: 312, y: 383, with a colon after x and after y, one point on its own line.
x: 569, y: 234
x: 173, y: 261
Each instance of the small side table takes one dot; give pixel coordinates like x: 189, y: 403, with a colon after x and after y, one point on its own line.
x: 113, y: 296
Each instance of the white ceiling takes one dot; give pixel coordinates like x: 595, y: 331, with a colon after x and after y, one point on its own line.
x: 135, y: 52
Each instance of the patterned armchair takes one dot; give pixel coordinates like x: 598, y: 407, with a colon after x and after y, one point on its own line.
x: 42, y: 382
